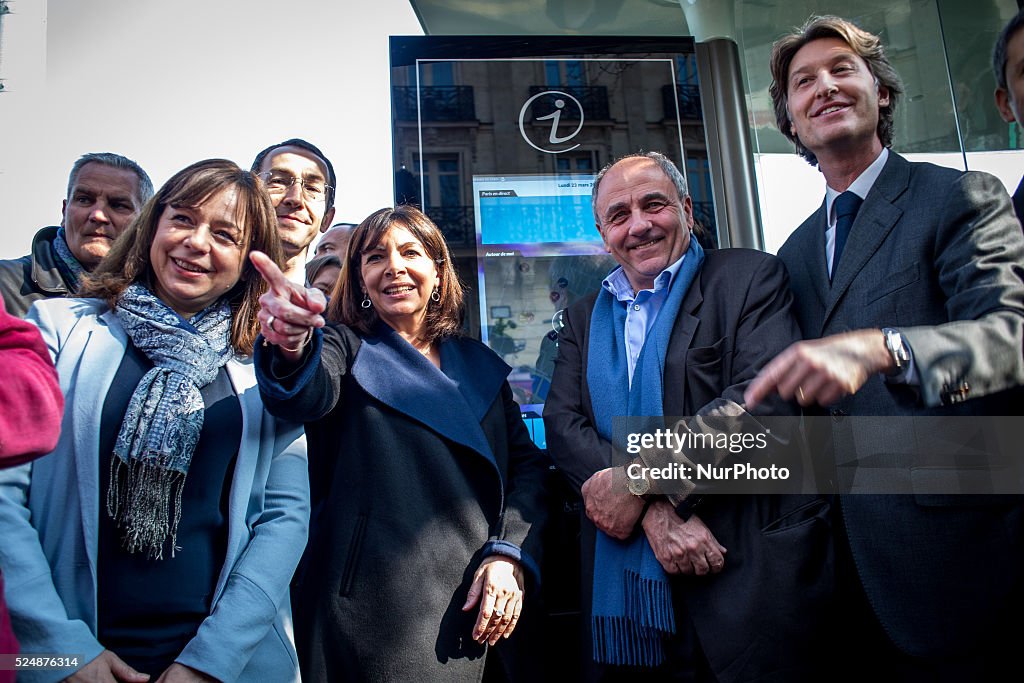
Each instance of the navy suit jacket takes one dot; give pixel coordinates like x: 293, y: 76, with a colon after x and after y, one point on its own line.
x: 938, y: 254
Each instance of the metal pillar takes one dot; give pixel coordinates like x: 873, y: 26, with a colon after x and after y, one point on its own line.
x: 729, y: 150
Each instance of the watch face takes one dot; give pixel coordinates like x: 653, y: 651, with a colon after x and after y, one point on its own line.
x: 894, y: 344
x: 638, y: 487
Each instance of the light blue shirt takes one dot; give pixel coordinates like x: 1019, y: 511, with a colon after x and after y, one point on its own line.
x: 641, y: 308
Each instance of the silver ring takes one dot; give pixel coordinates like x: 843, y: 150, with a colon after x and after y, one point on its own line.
x: 800, y: 393
x: 499, y: 613
x: 270, y: 323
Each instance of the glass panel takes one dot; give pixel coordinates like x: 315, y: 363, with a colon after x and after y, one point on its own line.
x: 574, y: 74
x: 450, y: 190
x: 509, y: 165
x: 911, y: 32
x: 971, y: 29
x: 441, y: 73
x: 552, y: 73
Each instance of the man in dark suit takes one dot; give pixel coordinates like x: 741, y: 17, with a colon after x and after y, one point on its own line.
x: 675, y: 332
x: 913, y: 304
x: 1008, y: 68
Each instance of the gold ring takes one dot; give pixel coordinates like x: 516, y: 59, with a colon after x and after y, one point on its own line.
x: 800, y: 393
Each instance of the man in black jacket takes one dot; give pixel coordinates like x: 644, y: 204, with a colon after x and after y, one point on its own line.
x: 681, y: 332
x: 105, y: 193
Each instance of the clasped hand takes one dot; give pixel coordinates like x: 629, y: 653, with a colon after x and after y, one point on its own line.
x: 681, y: 547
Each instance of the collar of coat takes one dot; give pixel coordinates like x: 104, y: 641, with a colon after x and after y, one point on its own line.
x: 470, y: 378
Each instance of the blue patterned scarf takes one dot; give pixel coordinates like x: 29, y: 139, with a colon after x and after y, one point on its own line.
x: 632, y: 599
x: 67, y: 264
x: 165, y: 415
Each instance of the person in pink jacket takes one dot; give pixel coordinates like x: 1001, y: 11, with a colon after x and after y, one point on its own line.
x: 31, y: 407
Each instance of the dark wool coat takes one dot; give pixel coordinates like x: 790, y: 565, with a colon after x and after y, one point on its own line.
x: 416, y: 476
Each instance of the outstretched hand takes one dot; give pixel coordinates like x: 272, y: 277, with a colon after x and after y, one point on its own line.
x: 821, y: 371
x: 288, y: 311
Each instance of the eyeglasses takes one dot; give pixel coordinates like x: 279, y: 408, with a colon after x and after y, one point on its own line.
x: 314, y: 189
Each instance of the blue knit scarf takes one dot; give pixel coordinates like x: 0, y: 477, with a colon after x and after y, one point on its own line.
x: 165, y: 415
x: 632, y: 599
x: 67, y: 264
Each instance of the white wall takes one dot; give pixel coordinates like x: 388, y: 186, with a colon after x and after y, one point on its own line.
x: 789, y: 189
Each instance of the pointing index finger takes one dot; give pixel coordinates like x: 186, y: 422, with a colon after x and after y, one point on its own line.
x: 271, y: 273
x: 768, y: 380
x: 758, y: 389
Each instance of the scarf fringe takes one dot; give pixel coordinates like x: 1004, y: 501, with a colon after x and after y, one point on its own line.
x: 144, y: 499
x: 649, y: 601
x: 622, y: 642
x: 637, y: 639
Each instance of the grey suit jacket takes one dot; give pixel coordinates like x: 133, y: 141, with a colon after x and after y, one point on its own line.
x: 938, y: 254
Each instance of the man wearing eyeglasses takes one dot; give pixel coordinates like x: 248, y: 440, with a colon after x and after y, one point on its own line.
x: 300, y: 180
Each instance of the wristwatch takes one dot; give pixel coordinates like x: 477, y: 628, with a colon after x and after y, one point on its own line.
x: 897, y: 350
x: 638, y: 486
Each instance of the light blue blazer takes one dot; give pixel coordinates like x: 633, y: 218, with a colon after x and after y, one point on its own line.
x: 49, y: 511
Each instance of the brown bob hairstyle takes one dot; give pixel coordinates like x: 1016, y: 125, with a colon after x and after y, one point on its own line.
x: 444, y: 317
x: 129, y: 258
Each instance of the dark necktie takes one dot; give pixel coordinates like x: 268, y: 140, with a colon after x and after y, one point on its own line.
x: 846, y: 206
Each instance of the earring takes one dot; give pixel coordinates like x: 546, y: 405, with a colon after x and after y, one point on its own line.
x: 435, y: 296
x: 366, y: 301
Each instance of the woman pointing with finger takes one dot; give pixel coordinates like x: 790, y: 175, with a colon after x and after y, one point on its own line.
x: 428, y: 492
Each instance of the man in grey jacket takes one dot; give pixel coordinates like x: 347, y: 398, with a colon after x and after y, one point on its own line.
x: 907, y: 286
x: 105, y: 192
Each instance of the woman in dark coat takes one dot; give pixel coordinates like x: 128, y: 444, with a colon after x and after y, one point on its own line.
x: 428, y: 493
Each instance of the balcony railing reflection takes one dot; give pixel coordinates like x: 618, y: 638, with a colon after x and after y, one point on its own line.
x: 456, y: 224
x: 688, y: 97
x: 437, y: 102
x: 593, y: 99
